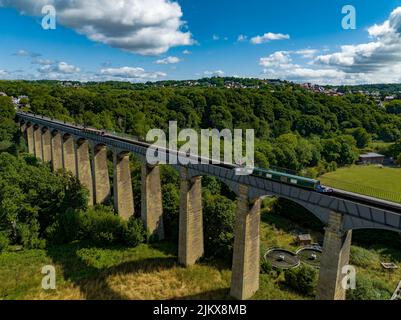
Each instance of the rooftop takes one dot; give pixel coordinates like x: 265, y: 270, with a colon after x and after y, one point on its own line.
x: 371, y: 155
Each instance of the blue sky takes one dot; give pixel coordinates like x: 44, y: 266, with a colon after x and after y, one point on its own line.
x: 143, y: 40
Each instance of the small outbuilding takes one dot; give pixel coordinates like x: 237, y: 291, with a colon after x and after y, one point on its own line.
x: 304, y: 239
x: 371, y: 158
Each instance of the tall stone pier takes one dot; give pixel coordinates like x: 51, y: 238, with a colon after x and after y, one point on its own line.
x: 84, y: 171
x: 151, y: 204
x: 336, y: 252
x: 101, y: 179
x: 246, y: 256
x: 37, y: 140
x: 30, y: 139
x: 56, y: 151
x: 69, y: 162
x: 46, y: 145
x: 190, y: 242
x: 123, y: 195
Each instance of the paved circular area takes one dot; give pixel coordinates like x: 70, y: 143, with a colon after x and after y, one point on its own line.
x: 281, y: 258
x: 310, y: 255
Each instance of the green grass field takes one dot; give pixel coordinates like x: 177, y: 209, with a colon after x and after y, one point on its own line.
x: 371, y: 180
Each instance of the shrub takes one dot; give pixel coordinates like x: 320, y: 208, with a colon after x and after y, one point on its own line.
x: 265, y: 266
x: 367, y: 289
x: 29, y: 235
x: 4, y: 242
x: 364, y: 257
x: 134, y: 232
x: 102, y: 226
x: 67, y: 227
x: 302, y: 279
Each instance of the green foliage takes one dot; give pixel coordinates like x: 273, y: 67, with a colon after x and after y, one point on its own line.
x: 394, y: 107
x: 29, y: 235
x: 272, y: 110
x: 364, y: 258
x: 171, y: 207
x: 265, y: 266
x: 219, y: 217
x: 395, y: 149
x: 134, y: 232
x: 7, y: 109
x: 367, y: 289
x: 66, y: 228
x: 102, y: 226
x: 302, y: 279
x: 32, y: 198
x: 4, y: 241
x: 361, y: 136
x: 341, y: 149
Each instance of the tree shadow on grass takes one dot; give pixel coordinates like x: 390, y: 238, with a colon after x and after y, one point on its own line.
x: 92, y: 281
x: 219, y: 294
x: 388, y: 243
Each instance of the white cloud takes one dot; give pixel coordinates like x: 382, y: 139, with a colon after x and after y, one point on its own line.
x: 147, y: 27
x: 216, y: 37
x: 168, y: 60
x: 378, y: 60
x: 59, y: 68
x: 3, y: 73
x: 307, y: 53
x: 26, y: 53
x: 43, y: 62
x: 131, y: 73
x: 280, y: 65
x: 276, y: 59
x: 242, y: 38
x: 186, y: 52
x: 217, y: 73
x: 269, y: 37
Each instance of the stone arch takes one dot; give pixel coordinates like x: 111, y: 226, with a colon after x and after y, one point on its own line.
x: 320, y: 213
x: 304, y: 215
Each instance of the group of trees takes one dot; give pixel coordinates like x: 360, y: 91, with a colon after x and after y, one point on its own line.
x: 294, y: 128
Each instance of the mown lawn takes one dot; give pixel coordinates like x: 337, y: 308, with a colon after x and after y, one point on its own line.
x: 151, y: 271
x: 371, y: 180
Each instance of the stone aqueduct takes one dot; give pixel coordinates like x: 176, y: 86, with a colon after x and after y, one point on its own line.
x: 67, y: 147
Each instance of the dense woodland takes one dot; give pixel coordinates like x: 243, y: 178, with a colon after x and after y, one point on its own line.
x: 295, y: 129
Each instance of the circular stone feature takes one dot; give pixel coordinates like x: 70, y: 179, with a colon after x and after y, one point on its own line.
x: 310, y: 255
x: 281, y: 258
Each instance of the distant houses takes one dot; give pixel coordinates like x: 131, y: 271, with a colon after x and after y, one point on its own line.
x: 18, y: 102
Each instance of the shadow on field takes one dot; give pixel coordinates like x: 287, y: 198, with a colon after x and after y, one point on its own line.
x: 220, y: 294
x: 92, y: 281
